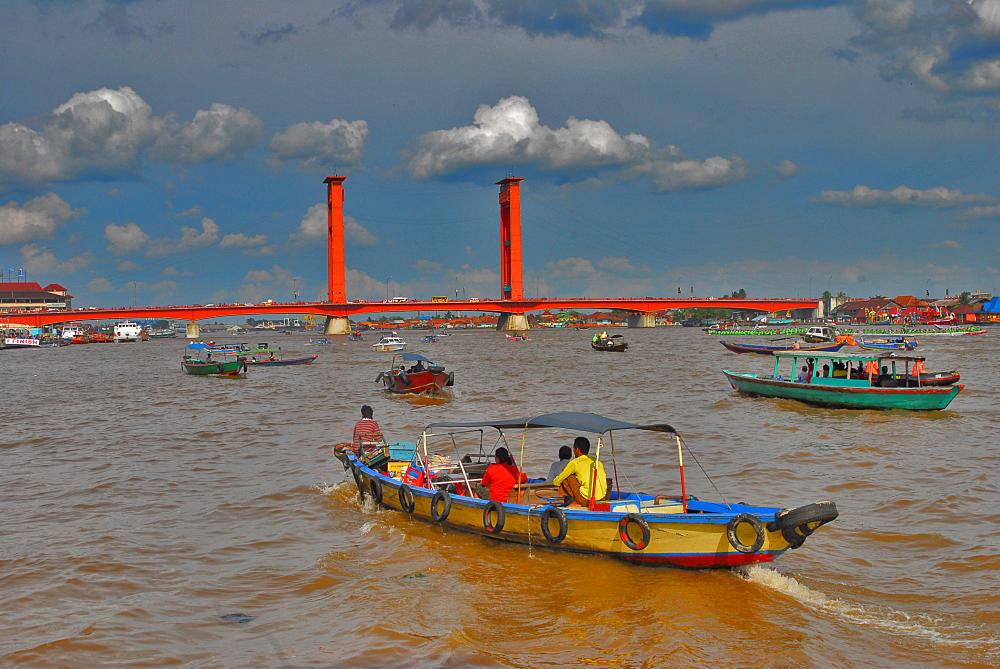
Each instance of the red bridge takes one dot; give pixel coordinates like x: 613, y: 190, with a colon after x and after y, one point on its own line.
x: 512, y: 305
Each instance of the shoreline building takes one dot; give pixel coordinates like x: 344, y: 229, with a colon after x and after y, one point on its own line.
x: 20, y: 296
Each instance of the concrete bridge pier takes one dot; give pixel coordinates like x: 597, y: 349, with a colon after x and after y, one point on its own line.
x: 337, y: 325
x: 513, y: 323
x: 642, y: 320
x: 192, y: 330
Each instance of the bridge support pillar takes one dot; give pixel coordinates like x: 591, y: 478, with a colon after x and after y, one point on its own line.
x: 513, y: 323
x: 642, y: 320
x: 192, y: 330
x: 337, y: 325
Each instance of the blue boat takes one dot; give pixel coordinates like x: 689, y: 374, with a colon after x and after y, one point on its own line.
x: 887, y: 343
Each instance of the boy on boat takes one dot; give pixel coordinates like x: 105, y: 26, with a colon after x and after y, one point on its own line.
x: 501, y: 477
x: 575, y: 480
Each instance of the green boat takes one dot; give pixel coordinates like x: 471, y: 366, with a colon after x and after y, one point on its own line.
x: 847, y: 381
x: 194, y: 363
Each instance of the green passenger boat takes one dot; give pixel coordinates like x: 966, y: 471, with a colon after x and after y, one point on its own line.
x: 206, y: 366
x: 848, y: 381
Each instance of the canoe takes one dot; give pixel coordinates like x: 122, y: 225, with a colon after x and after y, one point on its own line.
x: 237, y: 367
x: 769, y: 349
x: 887, y: 343
x: 650, y: 529
x: 305, y: 360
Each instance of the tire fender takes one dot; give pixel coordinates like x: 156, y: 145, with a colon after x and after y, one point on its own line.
x: 451, y: 379
x: 406, y: 498
x: 560, y: 516
x: 375, y: 488
x: 440, y: 497
x: 623, y: 534
x: 734, y: 539
x: 488, y: 511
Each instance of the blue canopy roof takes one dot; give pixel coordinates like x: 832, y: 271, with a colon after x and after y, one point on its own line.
x: 413, y: 357
x: 991, y: 307
x: 197, y: 345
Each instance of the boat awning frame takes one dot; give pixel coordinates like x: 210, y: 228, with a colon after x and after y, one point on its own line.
x: 566, y: 420
x: 874, y: 355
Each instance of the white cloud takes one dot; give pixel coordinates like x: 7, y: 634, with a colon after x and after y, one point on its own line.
x: 220, y: 133
x: 40, y: 260
x: 313, y: 226
x: 510, y: 133
x: 126, y: 266
x: 99, y: 285
x: 982, y: 77
x: 191, y: 238
x: 786, y: 169
x: 238, y: 240
x: 36, y: 219
x: 570, y: 268
x: 673, y: 175
x: 992, y: 211
x: 194, y: 212
x: 258, y: 276
x: 425, y: 266
x: 126, y: 238
x: 320, y: 145
x: 946, y: 244
x: 863, y: 196
x: 619, y: 265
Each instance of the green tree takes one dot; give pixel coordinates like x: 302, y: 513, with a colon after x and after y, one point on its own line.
x: 965, y: 297
x: 251, y: 322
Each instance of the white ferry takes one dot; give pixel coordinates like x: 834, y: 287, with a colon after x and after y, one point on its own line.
x: 70, y: 331
x: 127, y: 331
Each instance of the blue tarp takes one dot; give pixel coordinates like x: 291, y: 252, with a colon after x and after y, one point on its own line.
x: 197, y: 346
x: 991, y: 307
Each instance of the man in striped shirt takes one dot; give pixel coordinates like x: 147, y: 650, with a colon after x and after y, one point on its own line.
x: 366, y: 430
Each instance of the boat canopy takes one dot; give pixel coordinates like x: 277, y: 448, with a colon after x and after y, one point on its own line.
x: 197, y: 346
x: 413, y: 357
x: 875, y: 355
x: 567, y: 420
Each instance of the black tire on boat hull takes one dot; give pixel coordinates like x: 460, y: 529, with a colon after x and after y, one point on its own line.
x: 734, y: 539
x: 488, y: 511
x: 440, y: 497
x: 358, y: 481
x: 795, y: 523
x: 375, y: 488
x: 406, y: 498
x: 563, y: 526
x: 626, y: 538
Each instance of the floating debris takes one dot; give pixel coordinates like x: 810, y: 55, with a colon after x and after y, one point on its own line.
x: 240, y: 618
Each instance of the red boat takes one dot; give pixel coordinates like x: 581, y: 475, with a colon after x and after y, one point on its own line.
x: 424, y: 376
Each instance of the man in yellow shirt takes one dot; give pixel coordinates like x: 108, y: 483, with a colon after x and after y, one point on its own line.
x: 576, y: 478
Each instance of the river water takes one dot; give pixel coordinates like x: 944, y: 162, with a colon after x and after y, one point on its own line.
x: 151, y: 518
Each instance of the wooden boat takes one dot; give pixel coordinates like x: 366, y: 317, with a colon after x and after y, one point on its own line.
x: 769, y: 349
x: 390, y: 344
x: 819, y: 334
x: 281, y: 361
x: 323, y: 342
x: 886, y: 343
x: 423, y: 377
x: 615, y: 344
x: 646, y: 528
x: 430, y: 339
x: 516, y: 337
x: 206, y: 366
x: 872, y: 381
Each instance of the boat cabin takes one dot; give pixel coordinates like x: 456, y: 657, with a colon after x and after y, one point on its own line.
x: 820, y: 333
x: 846, y: 370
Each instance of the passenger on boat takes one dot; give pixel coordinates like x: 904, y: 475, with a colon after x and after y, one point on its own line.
x: 839, y: 370
x: 918, y: 368
x: 576, y: 477
x: 803, y: 376
x: 826, y: 371
x: 419, y: 367
x: 366, y: 430
x: 565, y: 455
x: 501, y: 477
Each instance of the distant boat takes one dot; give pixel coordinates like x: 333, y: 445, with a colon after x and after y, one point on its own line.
x: 318, y: 342
x: 21, y: 342
x: 614, y: 344
x: 425, y: 376
x: 192, y: 363
x: 282, y: 362
x: 887, y: 343
x: 862, y: 385
x: 769, y: 349
x: 516, y: 337
x: 389, y: 344
x: 166, y: 332
x: 126, y: 331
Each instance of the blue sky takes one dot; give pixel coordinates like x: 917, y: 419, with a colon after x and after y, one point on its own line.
x: 176, y: 150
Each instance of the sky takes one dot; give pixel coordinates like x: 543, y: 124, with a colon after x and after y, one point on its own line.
x: 169, y: 152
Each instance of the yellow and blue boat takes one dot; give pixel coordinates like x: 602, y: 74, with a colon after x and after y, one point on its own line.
x: 658, y: 529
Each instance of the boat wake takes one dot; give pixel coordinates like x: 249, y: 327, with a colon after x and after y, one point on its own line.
x: 883, y: 618
x: 329, y: 489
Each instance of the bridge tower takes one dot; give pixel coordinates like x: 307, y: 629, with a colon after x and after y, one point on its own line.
x: 335, y: 272
x: 511, y: 283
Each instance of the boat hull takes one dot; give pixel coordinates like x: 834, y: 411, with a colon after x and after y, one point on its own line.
x: 610, y: 348
x: 228, y: 368
x: 691, y: 540
x: 283, y: 363
x: 388, y: 348
x: 914, y: 399
x: 768, y: 349
x: 417, y: 382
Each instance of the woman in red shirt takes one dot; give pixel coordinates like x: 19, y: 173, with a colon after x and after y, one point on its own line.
x: 502, y: 476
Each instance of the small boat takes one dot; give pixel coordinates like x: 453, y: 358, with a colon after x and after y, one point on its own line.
x: 819, y: 334
x: 615, y: 343
x: 164, y: 333
x: 389, y: 344
x: 430, y: 339
x: 355, y: 335
x: 423, y: 377
x: 849, y: 381
x: 321, y: 342
x: 651, y: 528
x: 769, y: 349
x: 126, y: 331
x: 194, y: 364
x: 887, y: 343
x: 275, y: 359
x: 519, y: 336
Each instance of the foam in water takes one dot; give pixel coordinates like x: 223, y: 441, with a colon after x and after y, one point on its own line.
x: 886, y: 619
x: 328, y: 489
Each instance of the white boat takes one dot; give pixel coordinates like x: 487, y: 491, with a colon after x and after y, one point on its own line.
x: 70, y: 331
x: 21, y: 342
x: 390, y: 343
x: 127, y: 331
